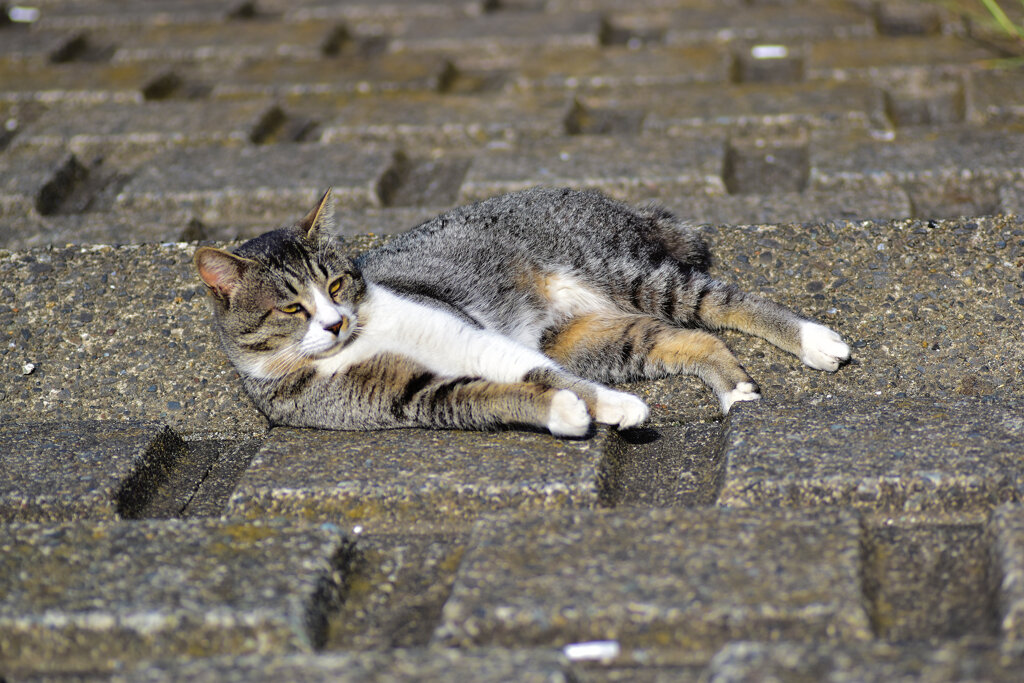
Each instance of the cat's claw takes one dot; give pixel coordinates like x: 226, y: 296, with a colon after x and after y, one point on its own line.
x: 568, y: 415
x: 744, y: 391
x: 620, y: 409
x: 822, y: 348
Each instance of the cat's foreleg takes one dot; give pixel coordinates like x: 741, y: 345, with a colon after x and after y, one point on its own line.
x: 621, y: 348
x: 389, y: 391
x: 515, y: 362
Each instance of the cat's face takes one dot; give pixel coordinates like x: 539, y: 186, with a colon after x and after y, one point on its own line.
x: 286, y: 298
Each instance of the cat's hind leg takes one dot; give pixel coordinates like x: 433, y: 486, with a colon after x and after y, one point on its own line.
x: 620, y: 348
x: 717, y: 305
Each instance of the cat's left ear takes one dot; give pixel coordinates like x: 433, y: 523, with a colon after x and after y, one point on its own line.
x: 320, y: 219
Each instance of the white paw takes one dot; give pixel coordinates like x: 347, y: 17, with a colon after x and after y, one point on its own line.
x: 821, y: 348
x: 744, y: 391
x: 568, y: 415
x: 619, y: 409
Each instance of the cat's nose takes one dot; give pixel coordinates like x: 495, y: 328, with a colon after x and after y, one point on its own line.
x: 338, y: 327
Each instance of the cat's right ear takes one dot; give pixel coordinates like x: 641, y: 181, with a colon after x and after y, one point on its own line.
x: 320, y: 219
x: 220, y: 270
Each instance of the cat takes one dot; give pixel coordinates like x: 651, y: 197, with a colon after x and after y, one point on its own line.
x: 514, y: 311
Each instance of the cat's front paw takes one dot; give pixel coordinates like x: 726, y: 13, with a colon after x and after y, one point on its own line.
x: 568, y: 415
x: 744, y: 391
x: 620, y: 409
x: 822, y: 348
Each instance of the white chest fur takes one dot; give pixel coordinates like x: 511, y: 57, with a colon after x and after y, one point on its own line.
x: 433, y: 338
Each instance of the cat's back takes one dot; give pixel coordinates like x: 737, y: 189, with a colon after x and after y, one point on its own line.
x: 544, y: 227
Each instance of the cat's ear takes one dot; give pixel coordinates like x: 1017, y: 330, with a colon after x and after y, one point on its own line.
x: 220, y: 270
x: 320, y: 219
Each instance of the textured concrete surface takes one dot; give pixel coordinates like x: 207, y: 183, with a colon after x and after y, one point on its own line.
x: 683, y: 579
x: 420, y: 478
x: 906, y: 455
x: 62, y: 471
x: 857, y: 161
x: 90, y: 594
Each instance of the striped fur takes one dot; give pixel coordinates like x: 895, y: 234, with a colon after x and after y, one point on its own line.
x: 512, y: 311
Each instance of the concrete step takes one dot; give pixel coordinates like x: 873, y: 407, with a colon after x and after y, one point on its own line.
x: 417, y: 479
x: 684, y: 580
x: 84, y: 596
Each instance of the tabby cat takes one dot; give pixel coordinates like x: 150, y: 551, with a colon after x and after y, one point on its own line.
x: 511, y: 311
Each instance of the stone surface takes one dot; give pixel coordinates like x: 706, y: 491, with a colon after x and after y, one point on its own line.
x: 256, y: 182
x: 685, y: 579
x: 413, y: 664
x: 1007, y: 531
x: 928, y: 580
x: 632, y: 168
x: 887, y: 456
x: 421, y: 479
x: 61, y: 471
x: 102, y: 324
x: 395, y: 587
x: 87, y: 595
x: 873, y: 662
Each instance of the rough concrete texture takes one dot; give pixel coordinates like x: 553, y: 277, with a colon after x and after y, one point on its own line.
x: 61, y: 471
x: 873, y: 662
x: 84, y: 595
x: 905, y: 455
x: 420, y: 478
x: 419, y: 664
x: 685, y: 579
x: 857, y: 161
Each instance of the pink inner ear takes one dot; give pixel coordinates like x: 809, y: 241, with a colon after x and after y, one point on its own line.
x: 219, y: 271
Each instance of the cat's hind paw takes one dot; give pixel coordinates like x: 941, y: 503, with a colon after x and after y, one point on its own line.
x: 822, y: 348
x: 619, y: 409
x: 744, y: 391
x: 568, y: 415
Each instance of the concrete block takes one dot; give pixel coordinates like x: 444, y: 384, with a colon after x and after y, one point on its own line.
x: 756, y: 164
x: 449, y: 120
x: 437, y: 665
x: 872, y: 663
x: 501, y: 30
x: 885, y: 456
x: 793, y: 207
x: 1006, y: 530
x: 928, y: 580
x: 90, y: 595
x: 889, y: 56
x: 299, y: 80
x: 249, y: 183
x: 153, y: 124
x: 417, y: 478
x: 67, y: 470
x: 109, y: 13
x: 613, y: 67
x: 396, y: 585
x: 627, y: 168
x: 686, y: 580
x: 763, y: 22
x: 231, y: 40
x: 80, y: 82
x: 996, y: 95
x: 811, y: 105
x: 34, y: 182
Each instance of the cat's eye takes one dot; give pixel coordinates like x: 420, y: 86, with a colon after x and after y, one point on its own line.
x: 335, y: 287
x: 292, y: 309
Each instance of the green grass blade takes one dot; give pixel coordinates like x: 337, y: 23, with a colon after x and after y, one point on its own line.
x: 1000, y: 17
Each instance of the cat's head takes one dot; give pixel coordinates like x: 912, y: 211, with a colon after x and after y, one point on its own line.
x: 286, y: 298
